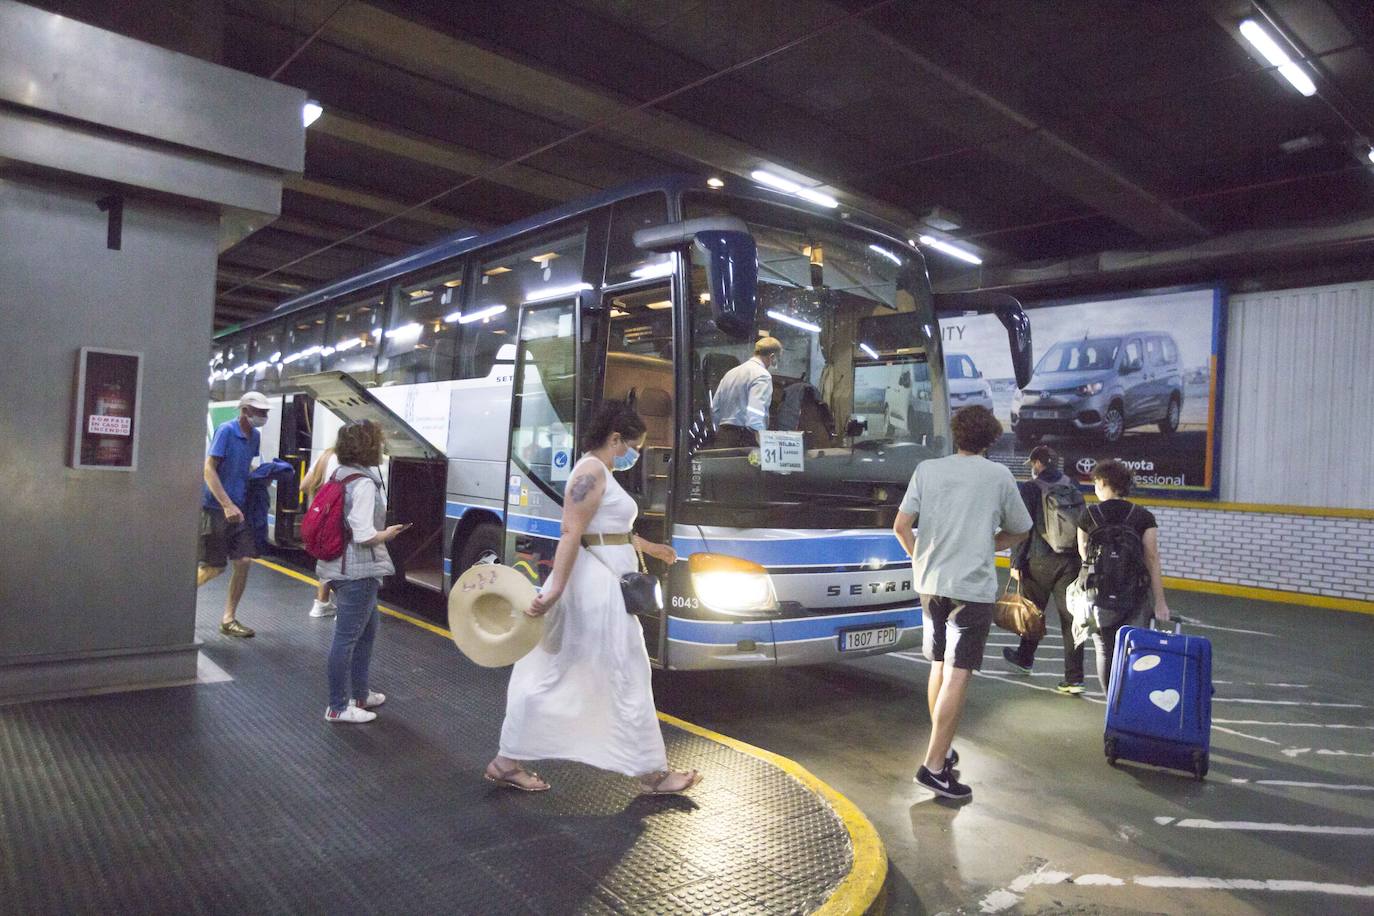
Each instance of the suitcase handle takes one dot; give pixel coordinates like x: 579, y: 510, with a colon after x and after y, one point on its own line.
x: 1178, y: 625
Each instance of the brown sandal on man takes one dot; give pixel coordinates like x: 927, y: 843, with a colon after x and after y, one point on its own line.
x: 508, y: 779
x: 652, y: 785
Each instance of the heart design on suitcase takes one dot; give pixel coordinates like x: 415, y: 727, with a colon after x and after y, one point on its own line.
x: 1165, y: 699
x: 1145, y: 663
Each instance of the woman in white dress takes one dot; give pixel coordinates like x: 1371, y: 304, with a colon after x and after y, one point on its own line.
x: 584, y: 693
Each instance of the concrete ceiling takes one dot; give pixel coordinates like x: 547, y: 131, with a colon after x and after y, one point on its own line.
x: 1078, y: 144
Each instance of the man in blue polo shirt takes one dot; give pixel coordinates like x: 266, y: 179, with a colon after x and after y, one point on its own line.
x: 225, y: 534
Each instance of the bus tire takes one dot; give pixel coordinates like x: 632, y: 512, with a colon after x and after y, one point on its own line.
x: 483, y: 541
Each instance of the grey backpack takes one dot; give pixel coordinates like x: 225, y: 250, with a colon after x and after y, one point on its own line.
x: 1061, y: 506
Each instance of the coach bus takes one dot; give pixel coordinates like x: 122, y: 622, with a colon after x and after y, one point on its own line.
x: 482, y: 355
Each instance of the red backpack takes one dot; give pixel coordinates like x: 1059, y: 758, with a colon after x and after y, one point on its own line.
x: 324, y: 528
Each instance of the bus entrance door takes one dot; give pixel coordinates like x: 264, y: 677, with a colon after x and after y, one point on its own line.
x: 416, y: 475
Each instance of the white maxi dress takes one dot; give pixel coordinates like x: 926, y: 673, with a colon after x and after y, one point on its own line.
x: 584, y: 693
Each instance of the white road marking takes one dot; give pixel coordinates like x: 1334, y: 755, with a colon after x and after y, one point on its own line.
x: 1289, y: 724
x: 1299, y: 751
x: 1191, y: 623
x: 1260, y: 684
x: 1198, y: 823
x: 1008, y: 897
x: 1013, y: 679
x: 1288, y: 703
x: 1290, y: 784
x: 1230, y: 731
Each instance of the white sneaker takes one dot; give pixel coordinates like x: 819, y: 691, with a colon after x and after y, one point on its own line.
x: 320, y: 608
x: 351, y: 714
x: 374, y: 699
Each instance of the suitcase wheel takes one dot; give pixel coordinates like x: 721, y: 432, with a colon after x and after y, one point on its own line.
x: 1200, y: 765
x: 1109, y: 746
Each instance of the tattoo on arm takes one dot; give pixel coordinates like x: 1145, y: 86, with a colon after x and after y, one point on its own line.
x: 581, y: 486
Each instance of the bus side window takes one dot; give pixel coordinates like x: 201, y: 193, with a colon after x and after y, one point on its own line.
x: 354, y: 332
x: 625, y: 261
x: 303, y: 343
x: 422, y: 335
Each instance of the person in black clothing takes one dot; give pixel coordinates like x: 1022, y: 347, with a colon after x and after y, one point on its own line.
x: 1045, y: 572
x: 1112, y: 481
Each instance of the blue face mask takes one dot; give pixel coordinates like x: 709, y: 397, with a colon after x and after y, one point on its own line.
x: 628, y: 460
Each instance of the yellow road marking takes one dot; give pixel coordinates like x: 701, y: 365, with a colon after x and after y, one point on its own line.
x: 1330, y: 602
x: 856, y: 892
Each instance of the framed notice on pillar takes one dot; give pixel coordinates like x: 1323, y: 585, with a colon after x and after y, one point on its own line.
x: 109, y: 387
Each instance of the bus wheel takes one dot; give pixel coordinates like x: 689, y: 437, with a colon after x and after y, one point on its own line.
x: 483, y: 543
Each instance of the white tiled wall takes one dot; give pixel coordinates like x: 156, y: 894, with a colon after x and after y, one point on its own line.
x: 1294, y: 553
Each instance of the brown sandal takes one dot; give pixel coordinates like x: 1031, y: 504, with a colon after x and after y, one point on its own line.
x: 507, y: 778
x: 652, y: 787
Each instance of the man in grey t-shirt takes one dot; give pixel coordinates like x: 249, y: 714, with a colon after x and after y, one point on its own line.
x: 964, y: 508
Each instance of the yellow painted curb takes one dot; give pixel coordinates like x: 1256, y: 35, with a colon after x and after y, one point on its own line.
x: 1330, y: 602
x: 856, y: 893
x: 868, y: 872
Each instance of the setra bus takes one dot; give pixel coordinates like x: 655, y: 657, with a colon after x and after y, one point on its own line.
x: 481, y: 355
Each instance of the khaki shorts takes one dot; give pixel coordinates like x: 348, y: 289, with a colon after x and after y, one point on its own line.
x: 221, y: 541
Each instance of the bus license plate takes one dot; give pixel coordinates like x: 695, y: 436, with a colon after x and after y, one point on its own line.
x: 871, y: 638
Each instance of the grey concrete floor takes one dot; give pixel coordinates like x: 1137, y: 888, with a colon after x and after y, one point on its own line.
x: 1290, y: 797
x: 1283, y: 824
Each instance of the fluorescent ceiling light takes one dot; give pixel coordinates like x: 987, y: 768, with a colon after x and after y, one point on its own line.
x: 952, y: 250
x: 1371, y: 154
x: 816, y: 197
x: 887, y: 254
x: 665, y: 304
x: 310, y: 112
x: 795, y: 322
x: 348, y: 344
x: 714, y: 183
x: 869, y: 350
x: 481, y: 314
x: 556, y: 292
x: 791, y: 187
x: 406, y: 331
x: 1277, y: 56
x: 654, y: 271
x: 775, y: 181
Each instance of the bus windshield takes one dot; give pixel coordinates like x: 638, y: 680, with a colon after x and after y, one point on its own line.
x: 857, y: 397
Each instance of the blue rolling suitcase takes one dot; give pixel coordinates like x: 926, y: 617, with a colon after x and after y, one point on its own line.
x: 1159, y: 706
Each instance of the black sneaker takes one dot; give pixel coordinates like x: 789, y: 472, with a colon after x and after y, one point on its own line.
x: 951, y: 759
x: 1071, y: 689
x: 1014, y: 661
x: 943, y: 783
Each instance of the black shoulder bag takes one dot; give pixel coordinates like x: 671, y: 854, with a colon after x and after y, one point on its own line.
x: 640, y: 589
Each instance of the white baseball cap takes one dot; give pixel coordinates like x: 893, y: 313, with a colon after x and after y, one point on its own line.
x: 255, y: 399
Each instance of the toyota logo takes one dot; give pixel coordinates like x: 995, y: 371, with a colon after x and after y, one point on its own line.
x: 1086, y: 465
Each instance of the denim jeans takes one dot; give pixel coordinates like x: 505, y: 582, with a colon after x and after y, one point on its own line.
x: 355, y: 630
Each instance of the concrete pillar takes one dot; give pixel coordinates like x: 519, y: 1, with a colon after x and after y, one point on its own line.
x: 97, y: 567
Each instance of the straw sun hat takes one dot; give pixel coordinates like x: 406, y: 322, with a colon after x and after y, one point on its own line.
x: 486, y: 615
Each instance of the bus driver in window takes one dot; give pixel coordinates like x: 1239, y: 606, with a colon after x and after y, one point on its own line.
x: 740, y: 405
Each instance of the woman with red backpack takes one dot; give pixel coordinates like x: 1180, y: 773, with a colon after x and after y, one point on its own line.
x: 355, y: 572
x: 1119, y: 543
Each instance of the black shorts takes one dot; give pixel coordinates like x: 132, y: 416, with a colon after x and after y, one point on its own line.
x: 221, y: 541
x: 957, y: 628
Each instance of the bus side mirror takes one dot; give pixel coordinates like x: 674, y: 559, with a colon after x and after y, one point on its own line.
x: 732, y: 278
x: 1008, y: 311
x: 732, y: 264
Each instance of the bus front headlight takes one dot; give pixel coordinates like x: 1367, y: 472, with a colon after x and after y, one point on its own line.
x: 729, y: 585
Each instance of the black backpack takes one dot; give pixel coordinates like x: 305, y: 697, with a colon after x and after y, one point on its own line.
x: 1061, y: 506
x: 1114, y: 575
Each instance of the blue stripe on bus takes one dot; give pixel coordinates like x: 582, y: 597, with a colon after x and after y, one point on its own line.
x: 456, y: 510
x: 539, y: 527
x: 841, y: 550
x: 790, y: 630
